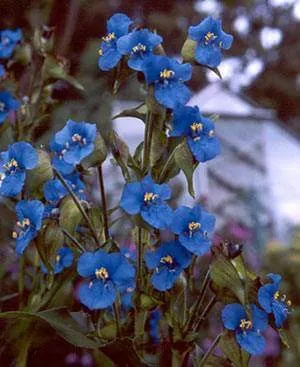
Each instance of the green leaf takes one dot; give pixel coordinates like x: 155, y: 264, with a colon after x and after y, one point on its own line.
x: 185, y: 161
x: 96, y: 216
x: 120, y: 151
x: 70, y: 216
x: 60, y: 320
x: 232, y: 351
x: 98, y: 156
x: 139, y: 112
x: 38, y: 176
x: 225, y: 275
x: 284, y: 337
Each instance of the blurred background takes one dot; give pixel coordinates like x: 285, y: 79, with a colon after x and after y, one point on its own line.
x: 253, y: 187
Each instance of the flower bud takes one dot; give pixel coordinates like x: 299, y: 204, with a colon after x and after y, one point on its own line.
x: 98, y: 156
x: 188, y: 50
x: 23, y: 54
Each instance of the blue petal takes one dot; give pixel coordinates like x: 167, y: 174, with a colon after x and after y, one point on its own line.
x: 157, y: 215
x: 12, y: 185
x: 208, y: 55
x: 276, y: 278
x: 265, y: 296
x: 183, y: 117
x: 24, y: 154
x: 198, y: 32
x: 31, y: 209
x: 252, y: 342
x: 280, y: 312
x: 226, y: 40
x: 87, y: 264
x: 259, y: 318
x: 62, y: 166
x: 109, y: 59
x: 204, y: 149
x: 54, y: 191
x: 118, y: 24
x: 197, y: 244
x: 23, y: 241
x: 232, y: 315
x: 132, y: 198
x: 183, y: 72
x: 152, y: 259
x: 182, y: 216
x: 171, y: 94
x: 97, y: 295
x: 66, y: 256
x: 164, y: 279
x: 124, y: 275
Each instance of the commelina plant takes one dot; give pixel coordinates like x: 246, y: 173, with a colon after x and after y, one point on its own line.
x: 145, y: 305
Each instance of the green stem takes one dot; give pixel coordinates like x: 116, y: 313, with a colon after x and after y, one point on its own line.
x: 147, y: 141
x: 77, y: 244
x: 139, y: 261
x: 117, y: 318
x: 24, y: 346
x: 21, y: 284
x: 78, y: 204
x: 205, y: 312
x: 166, y: 166
x: 210, y: 350
x: 199, y: 302
x: 178, y: 357
x: 104, y: 205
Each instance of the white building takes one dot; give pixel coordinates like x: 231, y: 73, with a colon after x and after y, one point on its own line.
x: 258, y: 156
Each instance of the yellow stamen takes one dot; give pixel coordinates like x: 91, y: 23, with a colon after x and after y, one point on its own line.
x: 14, y: 235
x: 196, y: 126
x: 211, y: 133
x: 167, y: 74
x: 167, y: 260
x: 109, y: 37
x: 245, y: 324
x: 277, y: 295
x: 101, y: 273
x: 149, y: 196
x: 100, y: 52
x: 57, y: 259
x: 210, y: 36
x: 194, y: 226
x: 139, y: 47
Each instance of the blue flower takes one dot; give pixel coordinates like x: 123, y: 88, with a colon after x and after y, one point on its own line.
x: 58, y: 161
x: 199, y: 130
x: 194, y: 227
x: 211, y: 39
x: 107, y: 274
x: 77, y: 139
x: 2, y: 71
x: 138, y: 45
x: 168, y: 260
x: 247, y: 331
x: 64, y: 259
x: 54, y: 190
x: 7, y: 104
x: 272, y: 301
x: 148, y: 199
x: 14, y: 162
x: 117, y: 26
x: 8, y: 42
x: 30, y: 216
x: 168, y: 77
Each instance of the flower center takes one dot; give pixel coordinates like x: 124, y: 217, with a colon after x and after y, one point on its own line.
x: 246, y: 324
x: 101, y: 273
x: 139, y: 48
x: 149, y: 196
x: 100, y: 52
x: 2, y: 106
x: 11, y: 165
x: 109, y: 37
x: 167, y: 260
x: 57, y: 259
x: 166, y: 74
x: 76, y: 138
x: 196, y: 128
x: 282, y: 298
x: 193, y: 227
x: 21, y: 227
x: 210, y: 37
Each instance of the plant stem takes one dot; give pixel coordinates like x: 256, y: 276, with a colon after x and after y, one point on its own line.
x: 139, y: 261
x: 165, y: 168
x: 104, y: 205
x: 117, y: 317
x: 147, y: 141
x: 210, y: 350
x: 199, y: 303
x: 21, y: 281
x: 209, y: 306
x: 78, y: 204
x: 74, y: 240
